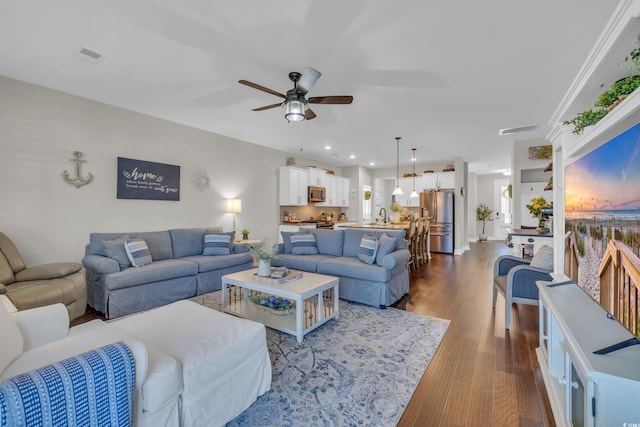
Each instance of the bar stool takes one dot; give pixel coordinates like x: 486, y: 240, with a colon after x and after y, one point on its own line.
x: 426, y: 240
x: 415, y: 246
x: 411, y: 238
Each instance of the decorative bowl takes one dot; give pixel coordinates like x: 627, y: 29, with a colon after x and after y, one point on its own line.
x: 274, y: 305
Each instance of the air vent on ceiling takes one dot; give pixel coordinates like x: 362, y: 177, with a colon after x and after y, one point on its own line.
x: 508, y: 131
x: 88, y: 55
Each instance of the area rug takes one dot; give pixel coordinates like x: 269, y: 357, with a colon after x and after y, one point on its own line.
x: 360, y: 370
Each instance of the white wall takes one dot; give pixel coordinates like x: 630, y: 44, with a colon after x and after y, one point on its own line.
x: 50, y: 220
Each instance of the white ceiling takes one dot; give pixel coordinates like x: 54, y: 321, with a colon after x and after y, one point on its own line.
x: 443, y: 75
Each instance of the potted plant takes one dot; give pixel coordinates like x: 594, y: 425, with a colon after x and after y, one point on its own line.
x: 483, y: 213
x: 397, y: 209
x: 264, y: 258
x: 245, y: 234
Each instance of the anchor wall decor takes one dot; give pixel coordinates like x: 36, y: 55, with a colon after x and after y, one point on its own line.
x: 78, y: 181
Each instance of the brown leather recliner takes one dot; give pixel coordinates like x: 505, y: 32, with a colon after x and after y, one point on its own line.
x: 61, y: 282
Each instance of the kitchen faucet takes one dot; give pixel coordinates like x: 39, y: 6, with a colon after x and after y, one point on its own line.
x: 384, y: 218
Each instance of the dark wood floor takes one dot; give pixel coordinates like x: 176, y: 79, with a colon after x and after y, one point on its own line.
x: 482, y: 374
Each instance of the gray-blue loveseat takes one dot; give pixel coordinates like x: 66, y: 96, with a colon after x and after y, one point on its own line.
x: 179, y: 269
x: 378, y: 284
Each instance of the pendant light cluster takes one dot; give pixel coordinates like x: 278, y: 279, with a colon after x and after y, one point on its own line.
x: 397, y: 191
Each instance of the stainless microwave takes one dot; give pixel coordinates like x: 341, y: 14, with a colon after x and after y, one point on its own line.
x: 317, y: 194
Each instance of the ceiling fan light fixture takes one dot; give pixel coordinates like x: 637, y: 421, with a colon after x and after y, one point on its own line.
x: 294, y: 110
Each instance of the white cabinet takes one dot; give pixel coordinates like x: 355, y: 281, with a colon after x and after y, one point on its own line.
x: 318, y: 177
x: 439, y: 180
x: 584, y: 388
x: 293, y: 184
x: 342, y: 191
x: 337, y: 192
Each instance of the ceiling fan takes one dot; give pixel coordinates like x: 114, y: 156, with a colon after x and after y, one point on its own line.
x: 295, y: 104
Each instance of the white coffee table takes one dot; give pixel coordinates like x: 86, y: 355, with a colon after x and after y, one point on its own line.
x: 315, y: 296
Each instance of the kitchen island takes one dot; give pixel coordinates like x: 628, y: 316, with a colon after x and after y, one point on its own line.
x: 380, y: 225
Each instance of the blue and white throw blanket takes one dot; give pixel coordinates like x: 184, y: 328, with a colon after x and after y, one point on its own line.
x: 92, y: 389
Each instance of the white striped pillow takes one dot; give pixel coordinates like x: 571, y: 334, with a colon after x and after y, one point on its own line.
x: 368, y: 249
x: 217, y: 243
x: 138, y: 252
x: 303, y: 244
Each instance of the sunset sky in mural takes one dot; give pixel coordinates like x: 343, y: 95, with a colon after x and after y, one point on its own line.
x: 608, y: 178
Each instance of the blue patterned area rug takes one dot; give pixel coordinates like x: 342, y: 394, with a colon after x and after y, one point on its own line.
x: 360, y: 370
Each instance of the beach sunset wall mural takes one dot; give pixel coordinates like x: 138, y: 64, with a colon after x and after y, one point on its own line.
x: 602, y: 209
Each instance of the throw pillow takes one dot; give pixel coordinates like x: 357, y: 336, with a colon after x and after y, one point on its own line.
x: 368, y: 249
x: 138, y: 252
x: 543, y: 258
x: 303, y: 244
x: 10, y: 337
x: 218, y: 243
x: 115, y: 249
x: 386, y: 245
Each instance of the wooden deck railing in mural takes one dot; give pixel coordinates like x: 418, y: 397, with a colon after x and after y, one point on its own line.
x: 619, y: 284
x: 571, y: 256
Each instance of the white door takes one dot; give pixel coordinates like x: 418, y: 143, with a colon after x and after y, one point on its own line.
x: 366, y: 204
x: 503, y: 209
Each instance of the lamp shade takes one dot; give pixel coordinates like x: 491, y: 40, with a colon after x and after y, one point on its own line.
x: 234, y: 205
x: 294, y: 110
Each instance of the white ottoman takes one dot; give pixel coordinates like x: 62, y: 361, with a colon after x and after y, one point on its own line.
x: 225, y: 362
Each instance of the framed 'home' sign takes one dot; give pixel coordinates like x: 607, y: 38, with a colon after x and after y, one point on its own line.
x: 139, y: 179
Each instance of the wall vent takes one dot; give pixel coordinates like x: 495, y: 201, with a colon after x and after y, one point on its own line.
x: 88, y: 55
x: 508, y: 131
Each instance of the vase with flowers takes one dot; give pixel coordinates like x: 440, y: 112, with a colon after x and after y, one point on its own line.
x: 537, y: 204
x: 397, y: 210
x: 264, y: 258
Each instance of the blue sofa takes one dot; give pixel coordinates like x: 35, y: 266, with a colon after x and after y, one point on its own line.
x: 178, y: 271
x: 379, y: 284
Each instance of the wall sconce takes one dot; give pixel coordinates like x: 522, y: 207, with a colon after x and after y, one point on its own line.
x: 234, y: 206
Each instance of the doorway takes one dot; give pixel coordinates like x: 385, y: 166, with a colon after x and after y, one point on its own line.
x: 366, y: 203
x: 503, y: 204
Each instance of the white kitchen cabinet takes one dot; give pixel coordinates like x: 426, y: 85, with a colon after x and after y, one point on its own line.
x: 293, y: 183
x: 337, y: 192
x: 342, y: 191
x: 585, y: 389
x: 318, y: 177
x: 439, y: 180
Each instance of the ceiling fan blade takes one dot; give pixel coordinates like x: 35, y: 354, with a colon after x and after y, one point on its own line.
x: 262, y: 88
x: 331, y: 100
x: 309, y: 114
x: 267, y: 107
x: 309, y: 78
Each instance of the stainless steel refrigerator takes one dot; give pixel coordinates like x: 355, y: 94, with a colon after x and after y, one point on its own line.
x: 439, y: 206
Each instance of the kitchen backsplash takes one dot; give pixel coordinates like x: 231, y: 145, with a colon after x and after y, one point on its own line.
x: 303, y: 213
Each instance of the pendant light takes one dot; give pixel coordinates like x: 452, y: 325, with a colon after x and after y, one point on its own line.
x: 398, y: 191
x: 413, y: 160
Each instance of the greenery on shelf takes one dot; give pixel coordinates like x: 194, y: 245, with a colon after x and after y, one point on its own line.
x: 586, y: 118
x: 620, y: 88
x: 611, y: 97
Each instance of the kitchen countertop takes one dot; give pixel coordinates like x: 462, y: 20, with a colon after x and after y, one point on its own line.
x: 528, y: 232
x: 381, y: 226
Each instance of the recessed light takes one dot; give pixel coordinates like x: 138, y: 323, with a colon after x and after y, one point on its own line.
x: 353, y: 156
x: 327, y: 147
x: 507, y: 172
x: 372, y: 164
